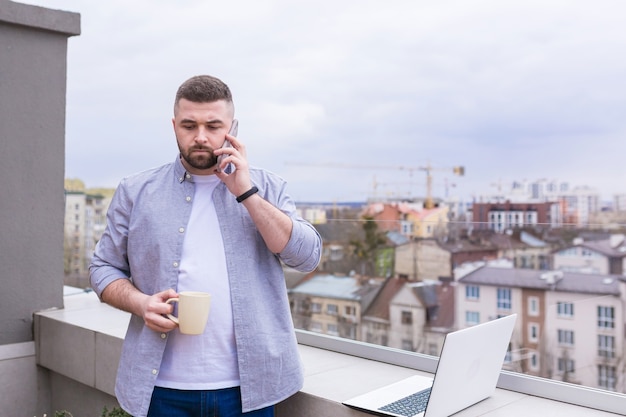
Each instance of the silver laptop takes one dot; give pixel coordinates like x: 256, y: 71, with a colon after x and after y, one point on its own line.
x: 467, y: 372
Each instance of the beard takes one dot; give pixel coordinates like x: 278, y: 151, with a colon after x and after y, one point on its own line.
x: 202, y: 160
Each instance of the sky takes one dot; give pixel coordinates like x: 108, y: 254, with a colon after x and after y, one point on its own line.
x: 353, y: 99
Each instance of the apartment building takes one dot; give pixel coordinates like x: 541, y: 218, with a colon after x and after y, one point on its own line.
x: 85, y: 221
x: 333, y: 305
x: 605, y: 256
x: 408, y: 315
x: 619, y: 203
x: 75, y: 227
x: 510, y: 215
x: 570, y: 325
x: 577, y: 204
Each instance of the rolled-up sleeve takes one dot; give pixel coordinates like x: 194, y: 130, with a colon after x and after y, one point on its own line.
x: 304, y: 249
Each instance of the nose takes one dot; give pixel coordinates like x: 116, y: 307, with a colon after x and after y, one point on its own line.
x: 202, y: 134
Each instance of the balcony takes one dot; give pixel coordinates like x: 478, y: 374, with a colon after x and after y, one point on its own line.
x: 71, y: 366
x: 72, y: 361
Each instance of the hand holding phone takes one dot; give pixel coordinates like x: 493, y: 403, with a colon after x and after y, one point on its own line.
x: 230, y: 168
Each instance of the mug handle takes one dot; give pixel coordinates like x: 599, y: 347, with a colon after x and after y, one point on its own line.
x: 171, y: 317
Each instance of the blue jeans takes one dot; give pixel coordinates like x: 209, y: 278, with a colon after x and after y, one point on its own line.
x: 226, y: 402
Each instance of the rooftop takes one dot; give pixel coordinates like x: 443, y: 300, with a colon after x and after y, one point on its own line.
x: 81, y: 344
x: 544, y: 280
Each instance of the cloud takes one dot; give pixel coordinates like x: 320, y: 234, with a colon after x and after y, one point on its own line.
x: 516, y: 89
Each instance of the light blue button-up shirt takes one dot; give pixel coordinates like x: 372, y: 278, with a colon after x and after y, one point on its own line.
x: 143, y: 242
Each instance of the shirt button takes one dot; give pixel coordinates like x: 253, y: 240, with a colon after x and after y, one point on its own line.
x: 181, y: 179
x: 163, y: 335
x: 188, y: 176
x: 181, y: 230
x: 175, y: 264
x: 188, y: 198
x: 154, y: 372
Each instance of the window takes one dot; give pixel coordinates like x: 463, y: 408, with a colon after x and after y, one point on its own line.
x: 606, y: 317
x: 350, y: 311
x: 533, y: 306
x: 316, y: 327
x: 407, y: 228
x: 606, y: 346
x: 316, y: 307
x: 407, y: 344
x: 565, y: 309
x: 565, y: 365
x: 566, y: 337
x: 332, y: 330
x: 504, y: 298
x: 472, y: 318
x: 533, y: 333
x: 472, y: 292
x: 407, y: 317
x: 332, y: 309
x: 534, y: 361
x: 607, y: 377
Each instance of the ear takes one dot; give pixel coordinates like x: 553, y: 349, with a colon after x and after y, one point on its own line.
x: 174, y: 122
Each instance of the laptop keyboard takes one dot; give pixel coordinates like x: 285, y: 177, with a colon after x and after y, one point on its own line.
x: 410, y: 405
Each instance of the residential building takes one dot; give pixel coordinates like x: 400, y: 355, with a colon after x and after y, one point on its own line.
x: 76, y: 261
x: 521, y: 247
x: 429, y: 223
x: 337, y: 239
x: 619, y: 203
x: 312, y: 214
x: 332, y: 305
x: 570, y: 325
x: 430, y: 259
x: 412, y: 220
x: 577, y: 204
x: 421, y: 260
x: 413, y: 316
x: 508, y: 215
x: 606, y: 256
x: 85, y: 221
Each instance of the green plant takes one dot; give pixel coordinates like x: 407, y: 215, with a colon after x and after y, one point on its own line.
x: 115, y: 412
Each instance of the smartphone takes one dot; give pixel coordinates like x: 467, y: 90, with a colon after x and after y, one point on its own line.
x: 230, y: 168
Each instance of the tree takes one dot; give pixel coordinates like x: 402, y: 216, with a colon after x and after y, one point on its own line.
x: 367, y: 249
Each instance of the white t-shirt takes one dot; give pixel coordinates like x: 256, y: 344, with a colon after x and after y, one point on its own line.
x: 207, y: 361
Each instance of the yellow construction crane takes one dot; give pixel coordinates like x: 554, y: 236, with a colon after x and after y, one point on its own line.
x: 456, y: 170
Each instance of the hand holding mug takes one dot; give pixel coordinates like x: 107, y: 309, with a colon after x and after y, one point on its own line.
x: 193, y: 311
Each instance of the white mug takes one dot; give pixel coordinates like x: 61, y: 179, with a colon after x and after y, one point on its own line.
x: 193, y: 311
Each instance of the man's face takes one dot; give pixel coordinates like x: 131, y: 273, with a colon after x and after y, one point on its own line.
x: 200, y: 128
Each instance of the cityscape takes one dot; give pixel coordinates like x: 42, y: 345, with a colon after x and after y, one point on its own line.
x: 86, y: 95
x: 402, y: 273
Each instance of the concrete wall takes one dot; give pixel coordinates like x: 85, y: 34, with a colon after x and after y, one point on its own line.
x: 33, y: 50
x: 24, y: 387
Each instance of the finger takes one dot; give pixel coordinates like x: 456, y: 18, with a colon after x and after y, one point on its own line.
x: 166, y: 294
x: 159, y: 323
x: 236, y: 144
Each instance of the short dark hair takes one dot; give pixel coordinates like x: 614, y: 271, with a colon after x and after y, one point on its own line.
x: 203, y: 89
